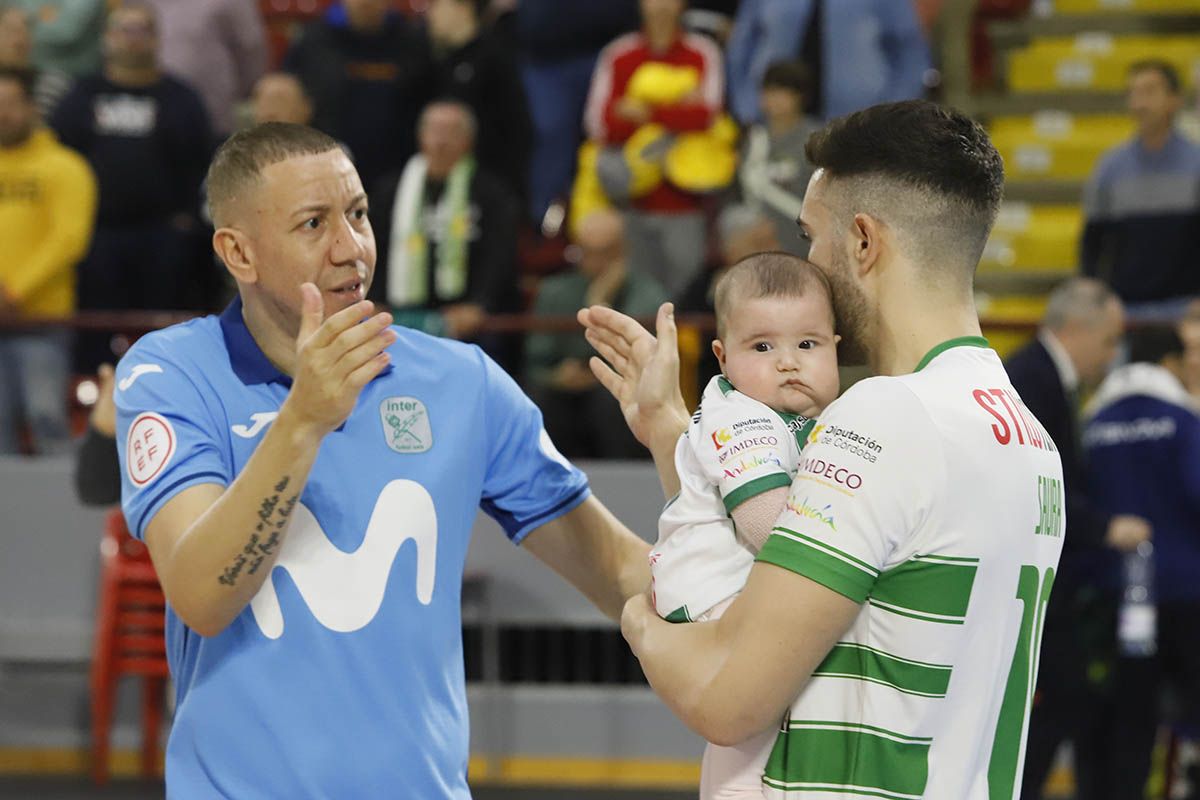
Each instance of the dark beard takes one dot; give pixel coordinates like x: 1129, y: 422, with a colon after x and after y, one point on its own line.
x: 850, y: 316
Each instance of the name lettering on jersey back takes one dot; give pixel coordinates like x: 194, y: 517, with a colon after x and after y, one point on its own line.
x: 344, y: 591
x: 1050, y: 502
x: 747, y: 445
x: 1005, y: 407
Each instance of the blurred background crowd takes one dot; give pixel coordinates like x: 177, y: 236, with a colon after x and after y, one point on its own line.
x: 525, y: 158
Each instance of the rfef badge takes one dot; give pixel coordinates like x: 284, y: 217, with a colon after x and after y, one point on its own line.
x: 406, y: 426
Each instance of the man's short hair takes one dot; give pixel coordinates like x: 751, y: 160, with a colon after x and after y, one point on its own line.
x: 929, y: 172
x: 1076, y: 299
x: 24, y: 77
x: 1152, y: 344
x: 793, y: 76
x: 239, y: 162
x: 1164, y: 68
x: 770, y: 274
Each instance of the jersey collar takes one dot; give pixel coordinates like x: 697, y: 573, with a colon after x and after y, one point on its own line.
x: 249, y: 362
x: 961, y: 341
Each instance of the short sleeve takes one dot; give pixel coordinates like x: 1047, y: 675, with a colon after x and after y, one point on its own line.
x: 528, y: 483
x: 742, y: 445
x: 167, y: 438
x: 864, y: 487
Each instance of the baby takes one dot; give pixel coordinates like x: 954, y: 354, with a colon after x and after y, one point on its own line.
x: 778, y: 356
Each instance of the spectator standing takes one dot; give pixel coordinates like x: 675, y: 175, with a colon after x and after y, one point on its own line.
x: 582, y: 418
x: 366, y: 68
x: 67, y: 34
x: 665, y: 229
x: 47, y: 207
x: 560, y: 42
x: 774, y: 170
x: 219, y: 47
x: 1142, y: 203
x: 477, y: 67
x: 861, y: 52
x: 147, y: 136
x: 16, y: 51
x: 1078, y: 342
x: 446, y: 232
x: 1143, y: 415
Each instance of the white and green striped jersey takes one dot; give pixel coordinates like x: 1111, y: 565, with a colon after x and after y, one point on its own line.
x: 735, y: 448
x: 935, y: 500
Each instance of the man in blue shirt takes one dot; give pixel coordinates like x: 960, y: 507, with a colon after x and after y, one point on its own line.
x: 306, y: 476
x: 1142, y: 204
x: 1143, y: 446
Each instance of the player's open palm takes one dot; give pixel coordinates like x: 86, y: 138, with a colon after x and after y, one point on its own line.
x: 642, y: 371
x: 335, y: 359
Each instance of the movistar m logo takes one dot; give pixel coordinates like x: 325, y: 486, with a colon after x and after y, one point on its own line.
x: 345, y: 590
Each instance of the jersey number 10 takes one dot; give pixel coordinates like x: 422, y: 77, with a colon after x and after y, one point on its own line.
x: 1033, y: 590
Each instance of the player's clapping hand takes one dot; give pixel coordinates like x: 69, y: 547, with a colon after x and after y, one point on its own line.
x: 335, y: 359
x: 639, y: 370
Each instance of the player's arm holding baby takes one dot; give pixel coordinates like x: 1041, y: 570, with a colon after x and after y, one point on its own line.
x: 727, y: 679
x: 204, y: 530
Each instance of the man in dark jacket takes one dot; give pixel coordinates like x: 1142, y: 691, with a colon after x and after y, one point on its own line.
x: 366, y: 69
x: 1080, y: 334
x: 1143, y: 452
x: 477, y: 66
x: 148, y: 139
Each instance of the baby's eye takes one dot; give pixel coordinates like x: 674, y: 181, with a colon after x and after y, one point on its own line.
x: 762, y: 347
x: 807, y: 344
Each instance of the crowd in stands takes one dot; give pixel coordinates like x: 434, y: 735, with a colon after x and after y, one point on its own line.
x: 477, y: 127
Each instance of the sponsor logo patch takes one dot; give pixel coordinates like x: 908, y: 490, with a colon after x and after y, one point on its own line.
x: 406, y: 426
x: 823, y: 515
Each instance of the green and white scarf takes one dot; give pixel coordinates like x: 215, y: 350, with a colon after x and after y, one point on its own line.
x: 408, y: 256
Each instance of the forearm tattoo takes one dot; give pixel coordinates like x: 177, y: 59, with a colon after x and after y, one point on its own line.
x: 273, y: 516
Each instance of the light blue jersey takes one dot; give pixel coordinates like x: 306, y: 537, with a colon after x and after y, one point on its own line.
x: 344, y: 676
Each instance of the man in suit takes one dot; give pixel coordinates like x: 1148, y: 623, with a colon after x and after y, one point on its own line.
x: 1077, y: 343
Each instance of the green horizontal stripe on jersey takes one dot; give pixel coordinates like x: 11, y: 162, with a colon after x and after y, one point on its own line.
x: 855, y: 661
x: 766, y: 483
x: 828, y: 566
x: 927, y: 587
x: 824, y: 788
x: 838, y: 756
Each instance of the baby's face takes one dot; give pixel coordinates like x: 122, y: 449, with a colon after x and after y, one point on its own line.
x: 782, y: 352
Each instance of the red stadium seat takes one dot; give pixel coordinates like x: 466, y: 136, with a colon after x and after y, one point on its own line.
x: 129, y: 641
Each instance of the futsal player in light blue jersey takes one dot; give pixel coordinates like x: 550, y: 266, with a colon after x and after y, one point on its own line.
x: 306, y: 475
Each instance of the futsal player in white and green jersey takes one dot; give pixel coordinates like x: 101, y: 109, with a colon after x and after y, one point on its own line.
x: 892, y: 641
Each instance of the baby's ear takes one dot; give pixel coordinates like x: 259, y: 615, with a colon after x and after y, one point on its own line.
x: 719, y: 351
x: 836, y: 338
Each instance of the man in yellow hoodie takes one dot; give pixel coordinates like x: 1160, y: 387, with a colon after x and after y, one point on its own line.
x: 47, y: 209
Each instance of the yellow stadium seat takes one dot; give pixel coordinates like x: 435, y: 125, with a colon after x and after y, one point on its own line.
x: 1124, y: 6
x: 1008, y: 309
x: 1096, y: 62
x: 1055, y: 144
x: 1034, y: 239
